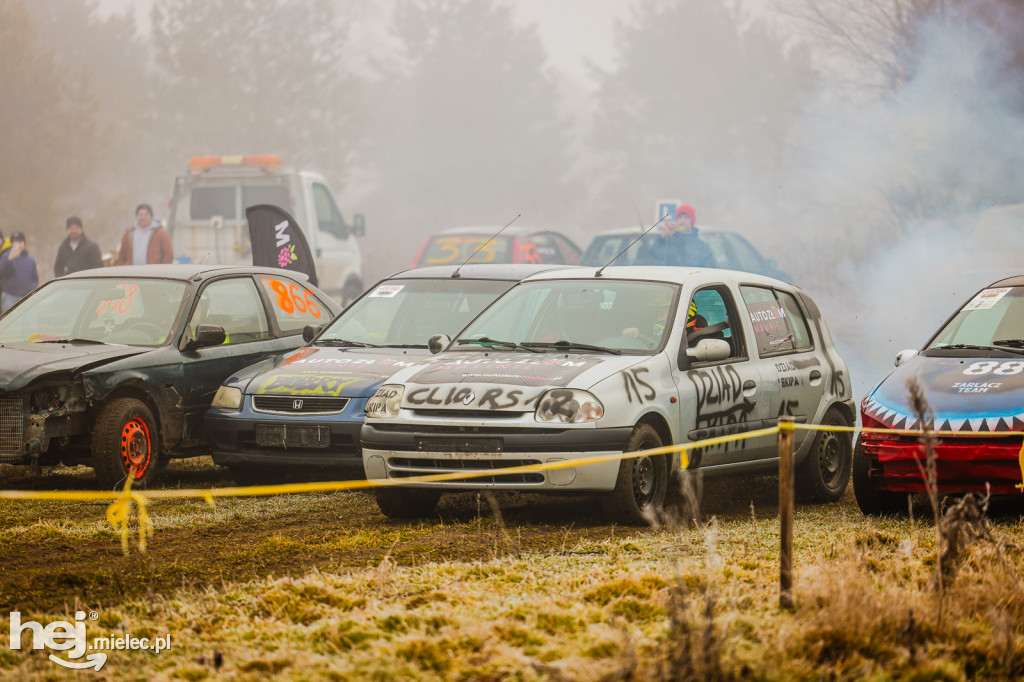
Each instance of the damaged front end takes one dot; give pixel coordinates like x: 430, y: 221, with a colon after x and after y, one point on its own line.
x: 48, y: 412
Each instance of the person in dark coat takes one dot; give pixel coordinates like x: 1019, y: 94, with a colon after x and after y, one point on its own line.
x: 76, y: 252
x: 17, y: 272
x: 679, y: 243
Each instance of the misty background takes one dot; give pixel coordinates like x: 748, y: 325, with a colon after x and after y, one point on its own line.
x: 855, y: 142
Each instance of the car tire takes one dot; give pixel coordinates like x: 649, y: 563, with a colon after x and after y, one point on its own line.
x: 642, y: 483
x: 350, y: 292
x: 407, y: 503
x: 871, y: 500
x: 825, y: 472
x: 124, y: 436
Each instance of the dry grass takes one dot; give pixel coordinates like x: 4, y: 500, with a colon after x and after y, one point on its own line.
x: 686, y: 602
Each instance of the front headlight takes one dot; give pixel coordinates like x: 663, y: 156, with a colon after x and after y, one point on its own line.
x: 228, y: 398
x: 386, y: 402
x: 569, y: 405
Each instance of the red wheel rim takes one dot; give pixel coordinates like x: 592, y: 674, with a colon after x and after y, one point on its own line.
x: 135, y: 447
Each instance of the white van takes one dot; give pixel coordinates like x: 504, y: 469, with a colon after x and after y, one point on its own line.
x: 207, y: 217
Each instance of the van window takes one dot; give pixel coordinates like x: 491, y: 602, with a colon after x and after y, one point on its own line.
x: 327, y: 214
x: 267, y: 194
x: 207, y: 202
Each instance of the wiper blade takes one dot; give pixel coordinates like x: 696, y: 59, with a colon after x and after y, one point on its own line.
x: 404, y: 345
x: 89, y: 341
x: 346, y: 342
x: 1012, y: 343
x: 486, y: 341
x: 573, y: 345
x: 1008, y: 348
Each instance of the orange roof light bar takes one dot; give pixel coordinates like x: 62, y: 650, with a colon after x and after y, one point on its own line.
x: 202, y: 163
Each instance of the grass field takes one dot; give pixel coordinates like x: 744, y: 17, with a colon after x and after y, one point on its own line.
x: 324, y: 587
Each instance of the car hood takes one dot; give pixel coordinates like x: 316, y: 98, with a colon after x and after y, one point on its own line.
x: 321, y: 371
x: 504, y: 381
x: 22, y: 363
x: 961, y: 402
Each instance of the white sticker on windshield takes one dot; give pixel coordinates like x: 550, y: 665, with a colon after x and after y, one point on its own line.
x: 386, y: 291
x: 986, y: 299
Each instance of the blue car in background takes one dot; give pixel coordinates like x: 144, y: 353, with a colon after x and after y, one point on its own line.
x: 731, y: 251
x: 304, y: 410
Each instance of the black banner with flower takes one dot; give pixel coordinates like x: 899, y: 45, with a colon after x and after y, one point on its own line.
x: 277, y: 241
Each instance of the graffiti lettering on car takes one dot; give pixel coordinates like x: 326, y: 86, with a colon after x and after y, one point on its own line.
x: 633, y: 384
x: 720, y: 399
x: 307, y: 384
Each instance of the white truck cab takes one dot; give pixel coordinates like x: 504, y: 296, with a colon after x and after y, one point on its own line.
x: 207, y: 216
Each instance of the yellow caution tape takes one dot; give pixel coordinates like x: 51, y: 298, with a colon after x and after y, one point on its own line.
x: 119, y: 511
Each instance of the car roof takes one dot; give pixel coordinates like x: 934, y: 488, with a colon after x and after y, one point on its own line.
x: 491, y: 230
x: 1015, y: 281
x: 636, y: 230
x: 183, y: 271
x: 502, y: 271
x: 665, y: 273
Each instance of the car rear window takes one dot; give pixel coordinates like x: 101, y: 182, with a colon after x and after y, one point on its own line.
x: 293, y: 305
x: 773, y: 332
x: 456, y: 249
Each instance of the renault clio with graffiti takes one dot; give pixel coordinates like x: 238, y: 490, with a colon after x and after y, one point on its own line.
x: 577, y: 364
x: 303, y: 411
x: 972, y: 375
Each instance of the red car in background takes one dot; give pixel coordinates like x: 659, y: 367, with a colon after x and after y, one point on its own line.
x: 513, y: 245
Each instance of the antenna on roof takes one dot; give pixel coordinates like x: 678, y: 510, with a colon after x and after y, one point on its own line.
x: 456, y: 275
x: 642, y: 235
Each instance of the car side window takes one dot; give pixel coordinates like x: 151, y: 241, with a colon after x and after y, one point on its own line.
x: 711, y: 315
x: 570, y: 253
x: 801, y: 334
x: 235, y: 305
x: 773, y: 332
x: 327, y: 214
x: 292, y: 305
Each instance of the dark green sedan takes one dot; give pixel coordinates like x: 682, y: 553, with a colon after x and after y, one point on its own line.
x: 115, y: 367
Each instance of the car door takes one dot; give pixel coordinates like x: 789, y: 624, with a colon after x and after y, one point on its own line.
x: 784, y: 343
x: 719, y: 397
x: 234, y: 304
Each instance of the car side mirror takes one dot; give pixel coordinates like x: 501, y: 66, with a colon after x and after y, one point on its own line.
x: 206, y: 335
x: 709, y: 350
x: 358, y: 225
x: 438, y: 342
x: 905, y: 355
x: 310, y: 331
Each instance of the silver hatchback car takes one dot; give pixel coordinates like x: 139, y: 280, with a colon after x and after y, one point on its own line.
x: 577, y: 363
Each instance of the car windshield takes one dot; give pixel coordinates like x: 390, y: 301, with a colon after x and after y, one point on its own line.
x: 407, y: 312
x: 455, y: 249
x: 994, y: 318
x: 136, y: 312
x: 606, y: 314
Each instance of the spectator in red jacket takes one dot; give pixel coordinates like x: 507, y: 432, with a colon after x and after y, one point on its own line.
x: 146, y: 241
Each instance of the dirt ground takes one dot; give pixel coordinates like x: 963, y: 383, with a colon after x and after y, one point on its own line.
x: 57, y: 554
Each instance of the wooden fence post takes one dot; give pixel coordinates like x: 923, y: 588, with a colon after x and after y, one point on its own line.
x: 786, y: 512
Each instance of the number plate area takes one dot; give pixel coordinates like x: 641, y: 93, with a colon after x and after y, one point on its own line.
x: 293, y: 436
x: 450, y: 444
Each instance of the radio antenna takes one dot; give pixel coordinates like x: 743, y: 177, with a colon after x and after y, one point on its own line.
x: 456, y: 275
x: 644, y: 234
